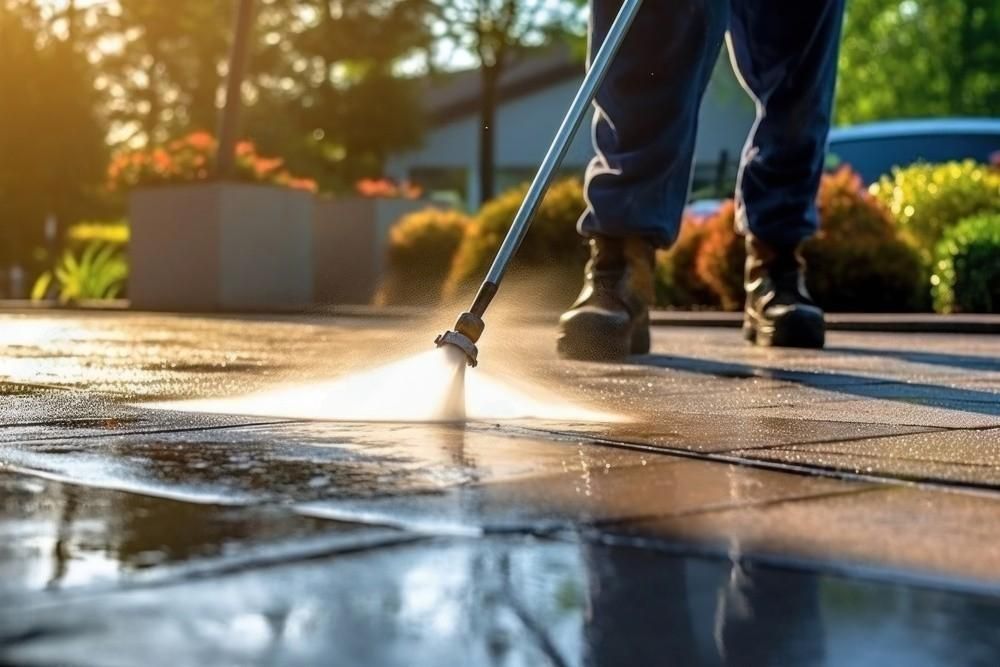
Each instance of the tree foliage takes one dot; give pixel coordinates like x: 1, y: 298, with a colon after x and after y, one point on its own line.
x: 52, y: 149
x: 331, y: 69
x: 912, y: 58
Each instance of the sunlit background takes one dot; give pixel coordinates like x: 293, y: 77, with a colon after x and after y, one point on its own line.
x: 382, y: 98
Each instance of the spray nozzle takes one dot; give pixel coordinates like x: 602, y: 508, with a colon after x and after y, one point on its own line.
x: 467, y: 333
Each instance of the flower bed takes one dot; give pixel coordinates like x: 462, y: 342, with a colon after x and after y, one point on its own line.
x: 191, y: 159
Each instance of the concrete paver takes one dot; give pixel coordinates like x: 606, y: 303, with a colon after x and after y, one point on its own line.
x: 899, y: 531
x: 962, y: 456
x: 728, y: 470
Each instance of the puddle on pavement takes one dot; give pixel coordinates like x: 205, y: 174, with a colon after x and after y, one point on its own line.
x: 512, y: 602
x: 414, y: 389
x: 57, y: 537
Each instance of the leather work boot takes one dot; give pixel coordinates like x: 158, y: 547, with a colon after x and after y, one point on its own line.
x: 610, y: 319
x: 779, y: 310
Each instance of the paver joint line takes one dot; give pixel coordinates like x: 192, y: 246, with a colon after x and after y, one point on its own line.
x: 157, y: 431
x: 793, y: 468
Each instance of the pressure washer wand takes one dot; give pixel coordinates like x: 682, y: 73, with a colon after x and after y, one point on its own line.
x: 469, y: 327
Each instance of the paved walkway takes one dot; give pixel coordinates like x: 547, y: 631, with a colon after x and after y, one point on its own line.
x: 770, y: 505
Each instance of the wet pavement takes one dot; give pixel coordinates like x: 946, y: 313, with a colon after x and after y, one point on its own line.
x: 742, y: 507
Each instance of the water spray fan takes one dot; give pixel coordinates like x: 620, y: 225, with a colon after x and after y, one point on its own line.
x: 470, y: 325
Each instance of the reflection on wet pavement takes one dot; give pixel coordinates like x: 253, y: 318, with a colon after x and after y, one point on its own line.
x: 510, y: 602
x: 55, y: 536
x: 749, y: 507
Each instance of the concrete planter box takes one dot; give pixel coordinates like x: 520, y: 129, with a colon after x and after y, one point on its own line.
x: 223, y: 246
x: 351, y: 238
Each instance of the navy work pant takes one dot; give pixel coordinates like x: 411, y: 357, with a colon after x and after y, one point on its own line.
x: 785, y: 52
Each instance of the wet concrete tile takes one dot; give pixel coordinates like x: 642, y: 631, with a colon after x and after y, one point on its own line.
x: 305, y: 461
x: 966, y: 456
x: 893, y: 403
x: 422, y: 476
x: 855, y: 357
x: 512, y: 602
x: 714, y: 432
x: 582, y: 494
x: 911, y: 412
x: 55, y: 537
x: 587, y: 495
x: 938, y: 532
x: 137, y: 355
x: 39, y: 413
x: 983, y: 401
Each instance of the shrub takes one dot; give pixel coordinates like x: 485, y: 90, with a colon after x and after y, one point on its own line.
x: 552, y: 246
x: 720, y: 260
x: 678, y: 283
x: 98, y: 273
x: 421, y: 249
x: 967, y: 267
x: 856, y: 262
x: 927, y: 199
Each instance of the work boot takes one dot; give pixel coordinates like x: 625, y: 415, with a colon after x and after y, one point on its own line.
x: 610, y: 319
x: 779, y: 310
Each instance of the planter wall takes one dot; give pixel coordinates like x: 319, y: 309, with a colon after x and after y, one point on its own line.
x: 208, y: 247
x: 350, y: 241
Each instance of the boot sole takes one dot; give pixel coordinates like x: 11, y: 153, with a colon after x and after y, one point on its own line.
x: 593, y: 338
x: 798, y: 328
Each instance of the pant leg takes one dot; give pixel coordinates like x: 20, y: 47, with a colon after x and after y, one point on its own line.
x: 646, y: 116
x: 786, y: 54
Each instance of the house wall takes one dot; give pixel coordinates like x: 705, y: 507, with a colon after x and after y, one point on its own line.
x: 526, y: 126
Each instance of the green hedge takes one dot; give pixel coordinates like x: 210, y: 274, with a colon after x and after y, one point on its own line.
x: 928, y: 199
x: 967, y: 268
x: 552, y: 250
x: 421, y: 249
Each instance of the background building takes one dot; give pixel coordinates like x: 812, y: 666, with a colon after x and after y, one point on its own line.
x: 535, y: 93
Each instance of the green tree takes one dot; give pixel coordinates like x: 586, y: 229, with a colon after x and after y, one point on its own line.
x: 52, y: 151
x: 162, y: 65
x: 911, y: 58
x: 332, y: 68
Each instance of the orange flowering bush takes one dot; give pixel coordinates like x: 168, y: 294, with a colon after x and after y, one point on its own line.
x: 857, y: 262
x: 190, y: 159
x: 385, y: 188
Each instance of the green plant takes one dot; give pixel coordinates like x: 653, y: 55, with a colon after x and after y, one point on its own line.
x: 421, y: 249
x: 857, y: 262
x: 967, y: 268
x: 927, y: 199
x: 98, y: 273
x: 552, y: 246
x: 115, y: 233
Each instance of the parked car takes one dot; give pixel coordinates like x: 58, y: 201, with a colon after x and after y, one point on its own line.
x: 702, y: 209
x: 874, y: 149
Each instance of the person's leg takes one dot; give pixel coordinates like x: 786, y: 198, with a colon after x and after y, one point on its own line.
x: 786, y: 54
x: 646, y: 116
